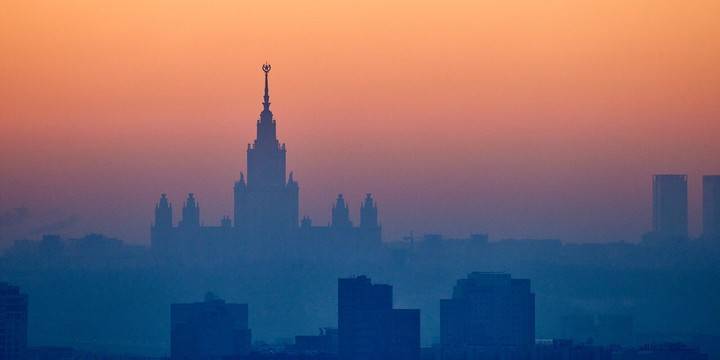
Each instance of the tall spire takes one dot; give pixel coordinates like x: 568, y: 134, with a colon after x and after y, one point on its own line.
x: 266, y: 132
x: 266, y: 103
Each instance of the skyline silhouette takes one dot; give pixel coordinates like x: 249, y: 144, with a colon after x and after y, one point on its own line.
x: 433, y: 180
x: 264, y: 254
x: 499, y: 122
x: 19, y: 215
x: 265, y: 215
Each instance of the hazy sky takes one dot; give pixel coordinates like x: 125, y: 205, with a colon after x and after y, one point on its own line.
x: 515, y: 118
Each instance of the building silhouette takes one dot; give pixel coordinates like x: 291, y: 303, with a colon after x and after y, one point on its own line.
x: 368, y: 326
x: 266, y: 207
x: 13, y: 322
x: 490, y: 316
x: 711, y: 206
x: 212, y: 329
x: 369, y: 223
x: 266, y: 204
x: 670, y: 206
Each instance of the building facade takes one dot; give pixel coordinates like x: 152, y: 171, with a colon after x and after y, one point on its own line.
x: 670, y: 206
x: 212, y: 329
x: 266, y: 207
x: 368, y: 326
x: 13, y: 322
x: 711, y: 206
x: 490, y: 316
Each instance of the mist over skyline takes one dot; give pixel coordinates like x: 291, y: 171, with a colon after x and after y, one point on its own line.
x: 533, y: 120
x: 360, y: 180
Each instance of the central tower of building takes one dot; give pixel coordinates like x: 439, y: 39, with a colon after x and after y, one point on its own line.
x: 266, y: 203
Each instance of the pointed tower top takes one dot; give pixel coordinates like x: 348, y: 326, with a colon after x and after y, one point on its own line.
x: 340, y: 202
x: 369, y: 201
x: 191, y: 201
x: 163, y: 203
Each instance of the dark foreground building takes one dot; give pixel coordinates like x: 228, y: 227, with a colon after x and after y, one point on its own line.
x: 369, y: 328
x: 13, y: 322
x: 490, y: 316
x: 212, y: 329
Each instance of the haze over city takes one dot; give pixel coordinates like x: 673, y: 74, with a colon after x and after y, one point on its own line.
x: 359, y: 180
x: 532, y: 119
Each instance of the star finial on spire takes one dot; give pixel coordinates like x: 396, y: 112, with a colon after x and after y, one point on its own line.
x: 266, y: 103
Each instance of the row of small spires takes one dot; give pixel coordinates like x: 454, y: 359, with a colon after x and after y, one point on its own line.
x: 340, y: 212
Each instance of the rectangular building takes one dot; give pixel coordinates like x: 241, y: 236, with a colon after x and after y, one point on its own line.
x: 212, y: 329
x: 490, y: 316
x: 368, y: 326
x: 13, y: 322
x: 711, y: 206
x: 670, y: 206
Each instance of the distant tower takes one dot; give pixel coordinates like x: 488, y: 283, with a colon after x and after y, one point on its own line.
x: 163, y: 213
x: 341, y: 214
x: 161, y: 232
x: 266, y: 203
x: 368, y: 213
x: 711, y: 206
x: 191, y: 212
x: 370, y: 230
x: 670, y: 206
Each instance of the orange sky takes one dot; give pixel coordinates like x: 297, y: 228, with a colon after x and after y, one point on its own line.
x: 517, y: 118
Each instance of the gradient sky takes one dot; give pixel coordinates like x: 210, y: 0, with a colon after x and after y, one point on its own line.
x: 515, y: 118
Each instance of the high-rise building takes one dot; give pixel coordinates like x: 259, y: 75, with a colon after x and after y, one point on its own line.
x: 212, y: 329
x: 711, y: 206
x: 266, y: 209
x: 267, y: 204
x: 490, y: 316
x: 670, y: 206
x: 13, y: 322
x: 368, y: 326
